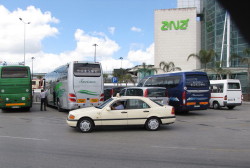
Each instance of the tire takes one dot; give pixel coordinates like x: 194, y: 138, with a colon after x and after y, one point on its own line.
x: 216, y: 105
x: 230, y: 107
x: 85, y: 125
x: 152, y: 124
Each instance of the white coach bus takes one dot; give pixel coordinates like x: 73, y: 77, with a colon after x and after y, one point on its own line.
x: 75, y: 85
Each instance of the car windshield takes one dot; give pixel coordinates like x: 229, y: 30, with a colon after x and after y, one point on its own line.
x: 104, y: 103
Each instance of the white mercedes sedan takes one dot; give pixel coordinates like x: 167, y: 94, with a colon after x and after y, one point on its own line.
x: 126, y: 110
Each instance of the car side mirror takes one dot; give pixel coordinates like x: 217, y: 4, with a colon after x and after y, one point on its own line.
x: 108, y: 109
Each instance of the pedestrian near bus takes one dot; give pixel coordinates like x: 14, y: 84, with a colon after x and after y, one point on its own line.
x: 43, y: 97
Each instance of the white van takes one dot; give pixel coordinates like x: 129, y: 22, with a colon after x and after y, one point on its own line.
x: 225, y: 93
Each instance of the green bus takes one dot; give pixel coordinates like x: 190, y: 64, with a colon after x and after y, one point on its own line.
x: 15, y: 87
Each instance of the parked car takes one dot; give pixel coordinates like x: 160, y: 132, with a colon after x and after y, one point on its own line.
x: 110, y: 92
x: 225, y: 93
x: 158, y: 94
x: 136, y: 111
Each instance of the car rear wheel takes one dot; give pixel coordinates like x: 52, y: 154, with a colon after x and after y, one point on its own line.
x: 216, y: 105
x: 86, y: 125
x: 152, y: 124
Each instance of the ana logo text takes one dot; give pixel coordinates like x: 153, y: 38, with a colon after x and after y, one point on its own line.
x: 178, y: 25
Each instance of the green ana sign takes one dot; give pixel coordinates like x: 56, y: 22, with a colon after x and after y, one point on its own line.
x: 177, y: 25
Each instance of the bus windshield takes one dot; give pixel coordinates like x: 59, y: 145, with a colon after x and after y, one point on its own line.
x: 87, y: 69
x: 14, y: 72
x: 197, y: 81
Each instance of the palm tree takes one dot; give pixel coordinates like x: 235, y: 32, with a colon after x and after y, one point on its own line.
x: 220, y: 71
x: 128, y: 78
x: 204, y: 56
x: 146, y: 69
x: 168, y: 66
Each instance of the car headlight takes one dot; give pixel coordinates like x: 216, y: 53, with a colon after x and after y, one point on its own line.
x: 72, y: 117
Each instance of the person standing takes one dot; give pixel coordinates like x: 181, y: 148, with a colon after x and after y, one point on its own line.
x: 43, y: 100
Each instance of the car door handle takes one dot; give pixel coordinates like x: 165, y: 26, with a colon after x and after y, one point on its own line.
x: 124, y: 112
x: 145, y: 111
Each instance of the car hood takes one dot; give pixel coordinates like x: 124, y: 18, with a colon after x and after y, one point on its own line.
x: 85, y: 111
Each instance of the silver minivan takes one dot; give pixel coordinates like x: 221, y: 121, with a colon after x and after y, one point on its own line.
x: 158, y: 94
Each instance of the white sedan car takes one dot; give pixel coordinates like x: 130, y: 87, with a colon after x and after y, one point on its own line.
x: 126, y: 110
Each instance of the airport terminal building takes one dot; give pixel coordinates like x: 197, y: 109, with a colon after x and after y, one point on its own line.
x: 196, y: 25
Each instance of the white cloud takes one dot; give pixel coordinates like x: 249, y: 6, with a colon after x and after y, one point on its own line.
x: 140, y: 56
x: 12, y: 29
x: 111, y: 30
x: 136, y: 29
x: 12, y: 36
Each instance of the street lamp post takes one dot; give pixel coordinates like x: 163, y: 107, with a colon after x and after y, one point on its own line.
x: 32, y: 58
x: 24, y: 33
x: 95, y: 52
x: 121, y: 61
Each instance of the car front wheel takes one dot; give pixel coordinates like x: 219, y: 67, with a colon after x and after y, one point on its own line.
x: 152, y: 124
x: 86, y: 125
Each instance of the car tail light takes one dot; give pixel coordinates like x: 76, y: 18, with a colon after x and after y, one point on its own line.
x: 184, y: 94
x: 225, y: 97
x: 173, y: 111
x: 146, y: 93
x: 102, y: 97
x: 72, y: 97
x: 112, y: 92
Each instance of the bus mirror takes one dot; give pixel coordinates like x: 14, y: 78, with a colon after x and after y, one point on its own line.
x: 108, y: 109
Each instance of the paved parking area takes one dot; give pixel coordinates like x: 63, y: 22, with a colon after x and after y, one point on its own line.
x: 209, y: 138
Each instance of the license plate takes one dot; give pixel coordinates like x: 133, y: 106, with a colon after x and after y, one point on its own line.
x: 15, y: 107
x: 196, y: 105
x: 81, y: 100
x: 94, y: 100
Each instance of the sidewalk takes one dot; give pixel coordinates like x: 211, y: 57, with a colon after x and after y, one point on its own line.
x: 246, y: 102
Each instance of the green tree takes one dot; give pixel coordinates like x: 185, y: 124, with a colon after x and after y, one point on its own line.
x: 128, y: 78
x: 204, y: 56
x: 168, y: 66
x: 220, y: 71
x: 105, y: 77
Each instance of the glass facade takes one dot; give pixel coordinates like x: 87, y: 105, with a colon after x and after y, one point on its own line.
x: 213, y: 28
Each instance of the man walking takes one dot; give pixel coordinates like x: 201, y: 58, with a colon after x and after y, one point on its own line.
x: 43, y: 100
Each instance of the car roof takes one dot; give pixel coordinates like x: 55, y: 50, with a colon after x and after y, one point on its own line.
x: 131, y: 97
x: 145, y: 88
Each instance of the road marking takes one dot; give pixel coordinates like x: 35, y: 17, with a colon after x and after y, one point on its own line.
x: 35, y: 139
x: 200, y: 148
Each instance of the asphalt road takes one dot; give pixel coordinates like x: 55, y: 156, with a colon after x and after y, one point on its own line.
x: 200, y: 139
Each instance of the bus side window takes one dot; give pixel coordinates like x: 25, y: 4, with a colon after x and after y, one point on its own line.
x: 148, y: 82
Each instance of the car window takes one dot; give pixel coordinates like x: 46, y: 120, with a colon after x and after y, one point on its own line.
x: 157, y: 92
x: 134, y: 92
x: 122, y: 92
x: 136, y: 104
x: 118, y: 105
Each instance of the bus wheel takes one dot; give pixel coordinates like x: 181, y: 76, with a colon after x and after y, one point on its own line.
x: 152, y: 124
x: 59, y: 106
x: 216, y: 105
x: 85, y: 125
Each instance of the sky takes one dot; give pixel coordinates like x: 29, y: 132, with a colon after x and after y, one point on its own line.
x: 61, y: 31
